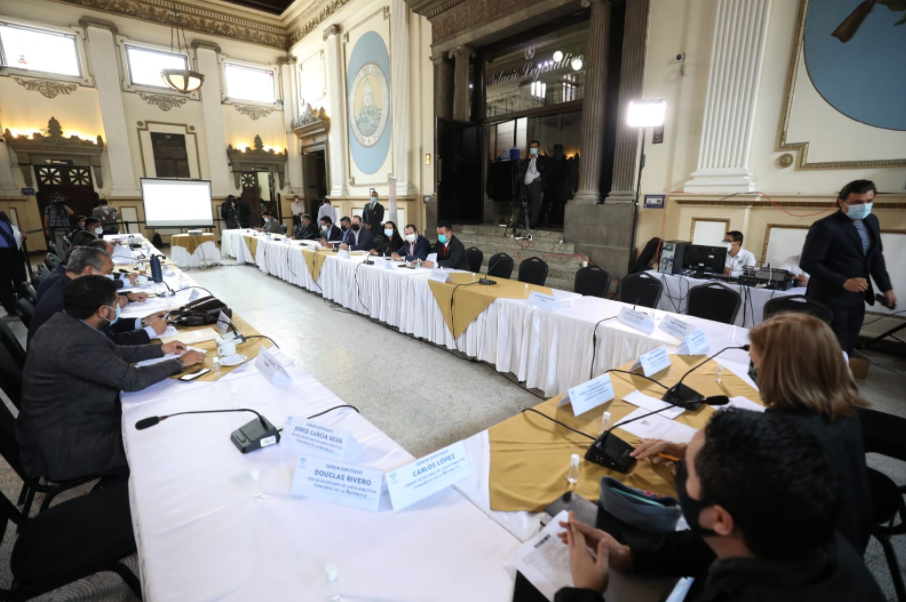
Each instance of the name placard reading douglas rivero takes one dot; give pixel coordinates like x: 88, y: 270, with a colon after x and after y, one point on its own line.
x: 338, y: 482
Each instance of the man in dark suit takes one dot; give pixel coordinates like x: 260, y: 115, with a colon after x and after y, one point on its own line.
x: 329, y: 233
x: 535, y: 168
x: 360, y: 239
x: 86, y: 261
x: 307, y: 230
x: 415, y: 247
x: 842, y: 253
x: 70, y: 420
x: 451, y: 253
x: 373, y: 213
x: 345, y: 228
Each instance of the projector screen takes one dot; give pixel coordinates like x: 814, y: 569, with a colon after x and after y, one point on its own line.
x: 175, y: 203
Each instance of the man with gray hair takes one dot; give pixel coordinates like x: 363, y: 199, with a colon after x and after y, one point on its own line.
x: 86, y: 261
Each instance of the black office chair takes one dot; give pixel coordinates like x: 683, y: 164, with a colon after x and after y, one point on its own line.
x: 26, y: 312
x: 12, y: 344
x: 883, y: 434
x: 52, y: 261
x: 67, y: 243
x: 41, y: 272
x: 592, y: 281
x: 28, y: 291
x: 74, y: 540
x: 533, y: 271
x: 641, y: 289
x: 500, y: 266
x: 52, y: 248
x: 800, y: 304
x: 714, y: 301
x: 283, y: 228
x: 475, y: 257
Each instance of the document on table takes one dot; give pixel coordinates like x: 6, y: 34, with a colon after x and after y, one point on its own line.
x: 656, y: 427
x: 191, y: 336
x: 544, y: 559
x: 169, y: 356
x: 637, y: 398
x: 743, y: 404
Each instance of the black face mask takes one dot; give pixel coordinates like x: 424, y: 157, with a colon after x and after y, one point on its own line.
x: 355, y: 227
x: 691, y: 508
x: 344, y: 227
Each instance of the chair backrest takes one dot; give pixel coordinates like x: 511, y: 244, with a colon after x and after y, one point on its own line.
x: 52, y: 261
x: 533, y: 271
x: 66, y: 245
x: 500, y: 266
x: 641, y: 289
x: 475, y: 257
x: 883, y: 433
x: 10, y: 376
x: 592, y: 281
x: 9, y: 446
x: 28, y: 291
x: 26, y: 311
x: 714, y: 301
x: 52, y: 247
x: 12, y: 344
x: 283, y: 228
x: 800, y: 304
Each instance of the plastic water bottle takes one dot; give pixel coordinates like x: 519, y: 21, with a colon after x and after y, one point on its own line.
x: 605, y: 422
x: 573, y: 475
x: 718, y: 373
x: 217, y: 370
x: 333, y: 585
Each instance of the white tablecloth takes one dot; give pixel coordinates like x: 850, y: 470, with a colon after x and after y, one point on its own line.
x: 207, y: 253
x: 751, y: 311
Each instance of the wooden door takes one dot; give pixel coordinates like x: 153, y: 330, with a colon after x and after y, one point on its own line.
x: 72, y: 182
x: 251, y: 196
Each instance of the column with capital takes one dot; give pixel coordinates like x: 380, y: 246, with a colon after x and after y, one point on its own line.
x: 399, y: 94
x: 335, y: 141
x: 102, y: 53
x: 443, y: 85
x: 215, y: 133
x: 740, y: 32
x: 592, y: 149
x: 290, y: 114
x: 461, y: 80
x: 7, y: 180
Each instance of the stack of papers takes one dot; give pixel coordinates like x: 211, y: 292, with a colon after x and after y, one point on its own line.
x: 544, y: 559
x: 637, y: 398
x: 656, y: 427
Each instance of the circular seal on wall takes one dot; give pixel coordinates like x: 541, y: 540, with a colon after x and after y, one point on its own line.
x: 368, y: 103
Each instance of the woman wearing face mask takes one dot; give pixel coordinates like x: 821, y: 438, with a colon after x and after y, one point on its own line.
x: 803, y: 377
x: 392, y: 240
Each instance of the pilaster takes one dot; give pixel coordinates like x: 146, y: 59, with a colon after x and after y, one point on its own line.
x: 461, y: 81
x: 215, y: 133
x: 399, y: 93
x: 335, y: 140
x: 288, y: 71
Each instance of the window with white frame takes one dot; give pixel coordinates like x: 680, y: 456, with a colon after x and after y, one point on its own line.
x: 31, y: 49
x: 145, y: 65
x: 250, y: 83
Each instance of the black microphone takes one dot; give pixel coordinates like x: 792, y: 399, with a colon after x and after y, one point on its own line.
x: 642, y: 294
x: 487, y: 281
x: 249, y: 437
x: 687, y: 397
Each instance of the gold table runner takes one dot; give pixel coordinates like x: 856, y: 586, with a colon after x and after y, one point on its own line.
x: 252, y: 243
x: 190, y: 242
x: 249, y: 349
x: 530, y: 454
x: 315, y: 261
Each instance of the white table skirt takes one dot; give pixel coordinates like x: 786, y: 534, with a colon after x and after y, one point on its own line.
x: 206, y: 253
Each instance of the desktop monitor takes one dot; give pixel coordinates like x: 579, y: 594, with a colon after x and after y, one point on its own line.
x: 701, y: 258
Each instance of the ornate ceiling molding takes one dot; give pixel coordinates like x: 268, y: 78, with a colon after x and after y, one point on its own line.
x: 311, y: 122
x: 48, y: 89
x: 163, y: 102
x: 253, y: 112
x: 40, y: 147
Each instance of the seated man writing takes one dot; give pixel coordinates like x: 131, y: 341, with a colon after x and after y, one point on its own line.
x: 761, y: 501
x: 329, y: 232
x: 271, y: 225
x: 69, y: 423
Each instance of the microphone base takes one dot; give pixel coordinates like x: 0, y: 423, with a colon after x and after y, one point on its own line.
x: 684, y: 397
x: 253, y: 436
x: 486, y: 282
x: 611, y: 452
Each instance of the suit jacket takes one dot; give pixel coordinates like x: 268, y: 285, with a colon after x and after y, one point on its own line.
x: 334, y: 234
x: 303, y: 232
x: 272, y: 227
x: 833, y: 253
x: 245, y: 214
x: 453, y: 255
x: 543, y: 164
x: 365, y: 241
x: 69, y: 424
x: 345, y: 234
x: 422, y: 248
x: 55, y: 274
x: 373, y: 215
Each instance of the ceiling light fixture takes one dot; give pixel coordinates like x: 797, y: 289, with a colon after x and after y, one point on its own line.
x: 558, y: 56
x: 576, y: 64
x: 181, y: 80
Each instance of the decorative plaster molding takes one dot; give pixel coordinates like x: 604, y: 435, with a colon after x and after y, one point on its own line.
x: 163, y: 102
x: 48, y: 89
x: 196, y: 44
x: 386, y: 10
x: 257, y: 157
x: 40, y: 147
x: 253, y: 112
x: 87, y: 22
x: 333, y: 30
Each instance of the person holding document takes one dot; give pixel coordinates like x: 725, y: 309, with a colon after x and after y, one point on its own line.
x: 761, y: 499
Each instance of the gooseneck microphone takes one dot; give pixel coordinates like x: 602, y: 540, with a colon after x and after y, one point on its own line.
x: 642, y: 294
x: 249, y: 437
x: 687, y: 397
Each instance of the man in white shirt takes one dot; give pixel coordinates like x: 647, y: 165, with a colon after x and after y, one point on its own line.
x: 298, y: 208
x: 737, y: 257
x: 327, y: 210
x: 535, y: 168
x: 791, y: 264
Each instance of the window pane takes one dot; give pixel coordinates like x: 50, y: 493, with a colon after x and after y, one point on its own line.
x: 249, y: 83
x: 145, y: 65
x: 37, y: 50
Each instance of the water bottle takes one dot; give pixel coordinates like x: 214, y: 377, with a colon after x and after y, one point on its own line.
x: 605, y: 422
x: 718, y: 373
x: 333, y: 586
x: 573, y: 475
x: 156, y: 273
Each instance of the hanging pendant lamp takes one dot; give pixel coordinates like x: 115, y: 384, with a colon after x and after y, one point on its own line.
x: 181, y: 80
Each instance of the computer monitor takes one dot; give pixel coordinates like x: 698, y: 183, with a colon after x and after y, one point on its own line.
x: 701, y: 258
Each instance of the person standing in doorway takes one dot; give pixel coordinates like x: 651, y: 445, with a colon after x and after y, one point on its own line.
x: 327, y: 210
x: 535, y: 179
x: 56, y: 220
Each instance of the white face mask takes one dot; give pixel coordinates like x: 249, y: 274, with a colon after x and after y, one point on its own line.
x: 388, y: 232
x: 98, y: 230
x: 267, y: 219
x: 411, y: 237
x: 324, y: 228
x: 729, y: 245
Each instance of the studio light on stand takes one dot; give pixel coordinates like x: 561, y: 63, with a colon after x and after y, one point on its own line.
x: 642, y: 114
x: 181, y: 80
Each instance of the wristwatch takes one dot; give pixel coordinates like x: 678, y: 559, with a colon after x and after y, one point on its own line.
x: 182, y: 364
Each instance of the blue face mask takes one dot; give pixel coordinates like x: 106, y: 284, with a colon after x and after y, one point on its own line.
x: 442, y: 238
x: 388, y: 232
x: 267, y: 219
x: 533, y: 151
x: 118, y: 310
x: 858, y: 212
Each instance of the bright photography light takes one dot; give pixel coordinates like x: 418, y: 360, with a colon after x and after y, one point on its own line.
x: 558, y: 56
x: 646, y: 113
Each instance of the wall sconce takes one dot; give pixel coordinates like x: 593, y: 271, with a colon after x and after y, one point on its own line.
x: 427, y: 158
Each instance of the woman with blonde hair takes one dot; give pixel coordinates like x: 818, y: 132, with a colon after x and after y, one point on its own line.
x: 803, y: 376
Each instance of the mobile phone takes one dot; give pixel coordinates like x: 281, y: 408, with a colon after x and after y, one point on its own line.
x: 193, y: 375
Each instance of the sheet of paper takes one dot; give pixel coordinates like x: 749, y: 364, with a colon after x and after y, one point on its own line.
x: 191, y: 336
x: 169, y: 356
x: 170, y: 332
x: 743, y: 404
x: 656, y: 427
x: 544, y: 559
x: 432, y: 257
x: 637, y: 398
x: 589, y: 395
x: 270, y: 367
x: 337, y: 482
x: 428, y: 475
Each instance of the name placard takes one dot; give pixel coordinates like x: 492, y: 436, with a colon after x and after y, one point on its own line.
x: 426, y: 476
x: 542, y: 301
x: 439, y: 275
x: 194, y: 295
x: 318, y: 440
x: 653, y: 361
x: 344, y: 253
x: 675, y: 327
x: 694, y: 344
x: 268, y: 365
x: 638, y: 320
x: 338, y: 482
x: 589, y: 395
x: 223, y: 323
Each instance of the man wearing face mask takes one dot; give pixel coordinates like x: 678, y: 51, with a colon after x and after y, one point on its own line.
x: 306, y: 230
x: 761, y: 499
x: 80, y: 226
x: 345, y: 228
x: 415, y: 247
x: 108, y: 216
x: 86, y: 261
x: 373, y: 213
x: 93, y: 227
x: 60, y: 271
x: 842, y: 254
x: 360, y: 238
x: 70, y: 419
x: 329, y: 233
x: 271, y: 226
x: 451, y: 253
x: 737, y: 257
x: 535, y: 179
